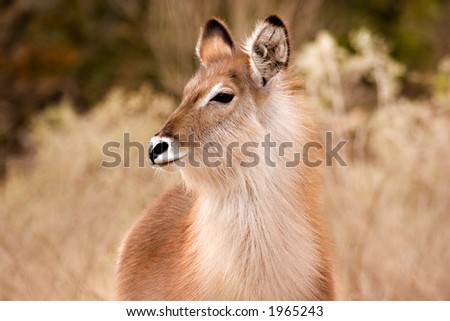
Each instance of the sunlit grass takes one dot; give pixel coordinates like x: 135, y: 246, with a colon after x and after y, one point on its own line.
x: 63, y: 215
x: 389, y: 208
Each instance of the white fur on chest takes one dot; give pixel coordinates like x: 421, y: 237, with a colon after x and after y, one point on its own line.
x: 255, y: 247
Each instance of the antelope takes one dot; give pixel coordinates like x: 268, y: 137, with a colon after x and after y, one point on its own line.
x: 229, y: 231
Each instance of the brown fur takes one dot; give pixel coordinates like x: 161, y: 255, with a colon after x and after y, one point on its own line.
x: 154, y: 255
x: 235, y: 233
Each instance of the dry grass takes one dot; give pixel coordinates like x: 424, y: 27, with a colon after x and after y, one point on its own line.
x: 63, y: 215
x: 390, y: 207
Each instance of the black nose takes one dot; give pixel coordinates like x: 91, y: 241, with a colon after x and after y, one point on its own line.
x: 156, y: 150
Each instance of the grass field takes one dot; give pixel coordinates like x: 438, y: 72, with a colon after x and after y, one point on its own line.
x: 63, y: 215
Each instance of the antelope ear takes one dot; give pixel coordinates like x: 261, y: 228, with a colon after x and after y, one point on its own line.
x: 214, y: 42
x: 268, y: 47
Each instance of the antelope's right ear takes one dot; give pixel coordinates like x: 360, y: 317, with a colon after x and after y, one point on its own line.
x: 268, y: 48
x: 214, y: 42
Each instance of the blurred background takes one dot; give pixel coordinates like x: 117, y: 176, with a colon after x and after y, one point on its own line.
x: 76, y: 74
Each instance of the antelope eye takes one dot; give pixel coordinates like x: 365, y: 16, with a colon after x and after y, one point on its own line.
x: 224, y: 98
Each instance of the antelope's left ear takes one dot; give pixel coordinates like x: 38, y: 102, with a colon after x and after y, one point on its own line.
x: 268, y: 48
